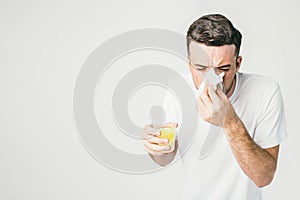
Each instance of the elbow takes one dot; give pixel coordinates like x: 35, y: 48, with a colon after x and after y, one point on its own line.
x: 266, y: 178
x: 263, y: 182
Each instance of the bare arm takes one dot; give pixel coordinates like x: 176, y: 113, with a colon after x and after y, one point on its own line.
x: 257, y: 163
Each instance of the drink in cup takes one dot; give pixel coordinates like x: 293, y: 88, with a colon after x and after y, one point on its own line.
x: 168, y: 133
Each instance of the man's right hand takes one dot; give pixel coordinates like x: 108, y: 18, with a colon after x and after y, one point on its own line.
x: 155, y: 145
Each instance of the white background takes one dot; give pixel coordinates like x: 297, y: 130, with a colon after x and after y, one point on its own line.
x: 43, y: 45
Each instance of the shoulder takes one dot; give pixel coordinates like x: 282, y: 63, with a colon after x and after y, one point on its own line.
x: 256, y: 79
x: 257, y: 83
x: 257, y: 90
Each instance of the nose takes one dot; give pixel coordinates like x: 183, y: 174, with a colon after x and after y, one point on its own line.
x: 217, y: 71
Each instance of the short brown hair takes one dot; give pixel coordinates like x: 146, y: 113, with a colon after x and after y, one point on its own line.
x: 214, y: 30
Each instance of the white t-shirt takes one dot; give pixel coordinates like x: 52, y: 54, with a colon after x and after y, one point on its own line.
x: 258, y: 102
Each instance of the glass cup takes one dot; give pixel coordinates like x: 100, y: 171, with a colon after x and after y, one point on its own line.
x: 168, y: 133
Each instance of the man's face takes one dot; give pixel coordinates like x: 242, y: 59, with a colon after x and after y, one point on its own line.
x: 222, y: 58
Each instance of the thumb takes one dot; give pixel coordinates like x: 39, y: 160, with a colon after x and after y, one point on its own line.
x: 171, y: 125
x: 220, y: 92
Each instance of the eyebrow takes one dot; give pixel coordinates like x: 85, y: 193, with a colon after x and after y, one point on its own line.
x: 203, y: 66
x: 224, y: 66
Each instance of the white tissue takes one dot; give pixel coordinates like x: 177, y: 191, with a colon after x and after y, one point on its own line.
x: 212, y: 78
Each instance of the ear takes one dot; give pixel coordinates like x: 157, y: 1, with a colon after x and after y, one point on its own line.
x: 238, y: 63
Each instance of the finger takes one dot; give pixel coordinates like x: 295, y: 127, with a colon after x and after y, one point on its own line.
x: 149, y: 130
x: 206, y: 89
x: 212, y: 93
x: 205, y: 98
x: 203, y: 110
x: 170, y: 125
x: 220, y: 92
x: 200, y: 104
x: 157, y: 153
x: 157, y: 140
x: 155, y: 147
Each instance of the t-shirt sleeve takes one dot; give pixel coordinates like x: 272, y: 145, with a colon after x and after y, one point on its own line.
x: 271, y: 127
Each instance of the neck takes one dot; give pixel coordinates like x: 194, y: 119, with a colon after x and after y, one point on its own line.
x: 230, y: 90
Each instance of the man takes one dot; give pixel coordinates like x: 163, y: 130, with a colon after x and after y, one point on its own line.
x: 249, y: 111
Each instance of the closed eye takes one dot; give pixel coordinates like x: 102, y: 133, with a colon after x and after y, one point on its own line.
x: 200, y: 67
x: 224, y: 68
